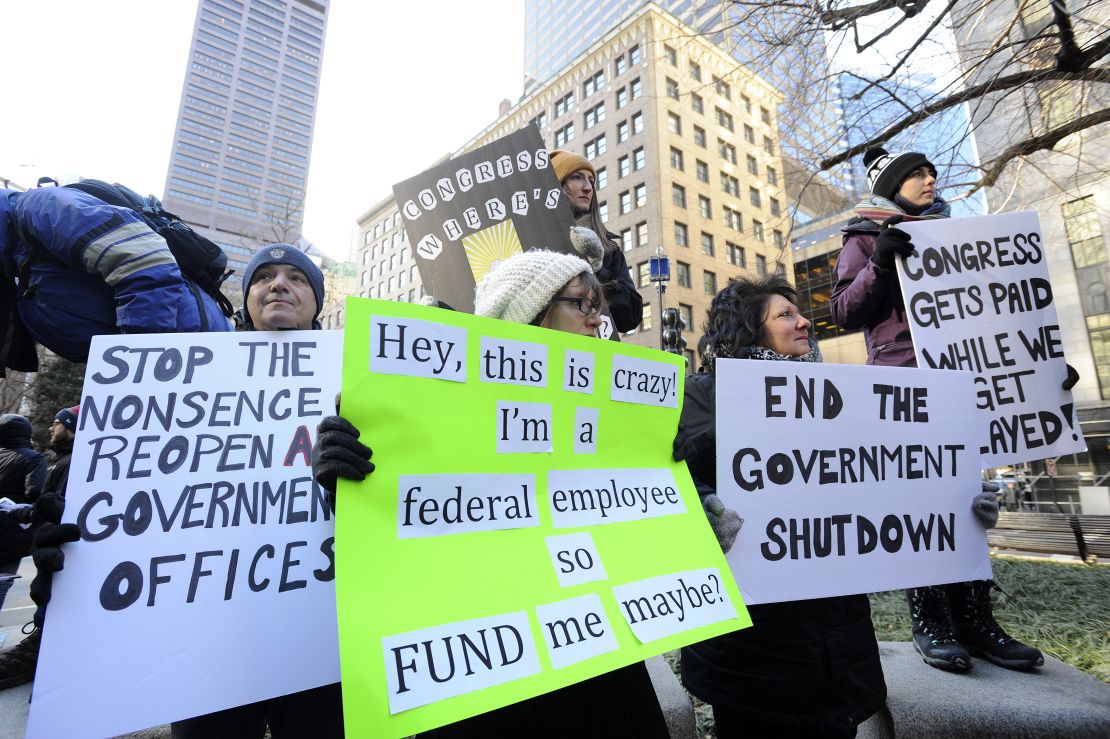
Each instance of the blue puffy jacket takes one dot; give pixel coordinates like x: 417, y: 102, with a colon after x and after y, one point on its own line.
x: 98, y: 269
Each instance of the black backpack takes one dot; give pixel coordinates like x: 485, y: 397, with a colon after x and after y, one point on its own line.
x: 201, y: 260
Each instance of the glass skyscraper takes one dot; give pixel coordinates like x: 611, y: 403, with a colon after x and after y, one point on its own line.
x: 244, y: 128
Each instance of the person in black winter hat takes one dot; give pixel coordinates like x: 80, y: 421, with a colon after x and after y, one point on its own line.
x: 292, y: 293
x: 949, y: 622
x: 17, y: 665
x: 22, y: 471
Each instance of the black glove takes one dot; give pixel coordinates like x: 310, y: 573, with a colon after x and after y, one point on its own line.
x: 687, y: 446
x: 891, y: 244
x: 338, y: 453
x: 49, y: 558
x: 1071, y: 379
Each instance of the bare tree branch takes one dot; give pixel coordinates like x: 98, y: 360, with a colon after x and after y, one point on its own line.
x: 1038, y: 143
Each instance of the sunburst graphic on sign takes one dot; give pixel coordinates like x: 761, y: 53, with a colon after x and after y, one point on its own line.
x: 490, y: 246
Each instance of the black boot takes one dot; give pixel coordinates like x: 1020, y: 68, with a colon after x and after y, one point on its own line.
x: 17, y: 665
x: 974, y: 625
x: 932, y: 632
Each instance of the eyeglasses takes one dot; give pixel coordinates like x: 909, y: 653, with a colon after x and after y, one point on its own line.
x: 585, y: 305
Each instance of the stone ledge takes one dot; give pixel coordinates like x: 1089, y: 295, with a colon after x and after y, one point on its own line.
x: 1055, y: 700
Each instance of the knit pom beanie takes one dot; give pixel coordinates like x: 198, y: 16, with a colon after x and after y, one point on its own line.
x: 886, y: 172
x: 524, y: 284
x: 565, y: 163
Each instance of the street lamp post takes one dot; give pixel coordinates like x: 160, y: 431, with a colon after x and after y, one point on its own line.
x: 660, y: 275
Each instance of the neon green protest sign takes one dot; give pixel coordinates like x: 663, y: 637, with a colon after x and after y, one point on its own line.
x: 525, y: 528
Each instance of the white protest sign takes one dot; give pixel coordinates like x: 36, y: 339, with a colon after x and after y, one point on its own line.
x: 849, y: 479
x: 978, y: 298
x: 205, y: 574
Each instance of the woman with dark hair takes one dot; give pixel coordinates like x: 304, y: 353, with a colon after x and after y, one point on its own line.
x: 804, y: 668
x: 578, y: 177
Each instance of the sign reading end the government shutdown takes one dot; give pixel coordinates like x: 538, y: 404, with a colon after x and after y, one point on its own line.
x: 849, y: 479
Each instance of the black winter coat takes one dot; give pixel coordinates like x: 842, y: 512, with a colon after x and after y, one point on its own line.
x: 809, y: 666
x: 22, y: 471
x: 626, y: 305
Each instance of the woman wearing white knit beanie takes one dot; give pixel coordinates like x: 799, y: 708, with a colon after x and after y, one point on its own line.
x: 543, y: 288
x: 560, y: 292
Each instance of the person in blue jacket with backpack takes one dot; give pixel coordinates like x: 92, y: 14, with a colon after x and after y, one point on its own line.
x: 76, y: 267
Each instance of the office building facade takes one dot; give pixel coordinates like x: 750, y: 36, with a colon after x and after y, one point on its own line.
x: 687, y: 155
x: 241, y: 148
x: 1069, y: 188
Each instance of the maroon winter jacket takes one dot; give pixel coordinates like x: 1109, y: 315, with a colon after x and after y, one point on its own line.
x: 867, y: 296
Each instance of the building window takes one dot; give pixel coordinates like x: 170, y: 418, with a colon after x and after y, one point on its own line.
x: 780, y: 241
x: 733, y: 220
x: 638, y: 158
x: 722, y: 88
x: 753, y: 165
x: 541, y: 120
x: 595, y: 115
x: 642, y: 234
x: 765, y: 115
x: 674, y: 123
x: 695, y: 71
x: 761, y: 265
x: 626, y: 239
x: 768, y: 145
x: 645, y: 318
x: 619, y: 66
x: 593, y: 84
x: 635, y: 88
x: 753, y: 196
x: 736, y: 256
x: 757, y: 230
x: 564, y: 135
x: 622, y: 132
x: 724, y: 119
x: 727, y: 151
x: 707, y: 247
x: 749, y: 134
x: 681, y: 234
x: 730, y: 184
x: 595, y: 148
x: 678, y: 195
x: 634, y: 55
x: 672, y: 89
x: 676, y: 159
x: 637, y: 123
x: 643, y: 274
x: 622, y: 167
x: 1092, y: 272
x: 641, y: 195
x: 625, y: 202
x: 603, y: 211
x: 747, y: 103
x: 697, y: 103
x: 669, y: 53
x: 702, y: 170
x: 686, y: 313
x: 683, y: 274
x: 602, y: 178
x: 709, y: 281
x: 699, y: 136
x: 705, y: 207
x: 564, y: 104
x: 776, y: 208
x: 622, y: 97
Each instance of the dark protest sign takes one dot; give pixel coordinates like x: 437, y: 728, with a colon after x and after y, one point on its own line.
x: 475, y: 210
x: 978, y: 298
x: 205, y: 574
x: 849, y: 479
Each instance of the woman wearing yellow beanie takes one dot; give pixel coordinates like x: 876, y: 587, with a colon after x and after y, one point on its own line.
x: 577, y: 176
